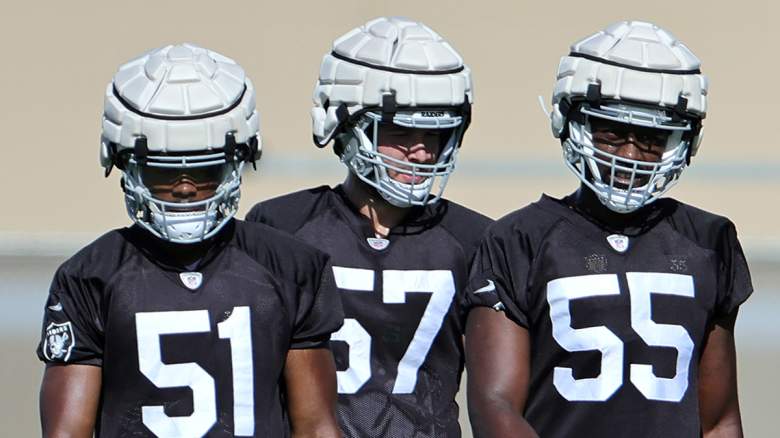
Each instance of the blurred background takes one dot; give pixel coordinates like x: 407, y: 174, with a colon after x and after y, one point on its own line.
x: 58, y: 57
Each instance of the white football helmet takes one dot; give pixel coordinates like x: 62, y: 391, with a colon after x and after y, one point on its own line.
x: 393, y: 71
x: 173, y: 109
x: 635, y: 73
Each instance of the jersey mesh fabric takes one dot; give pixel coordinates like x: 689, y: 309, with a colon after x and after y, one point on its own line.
x: 119, y: 294
x: 605, y: 315
x: 434, y: 246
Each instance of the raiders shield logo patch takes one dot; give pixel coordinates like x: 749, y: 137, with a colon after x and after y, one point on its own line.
x: 191, y: 280
x: 58, y: 341
x: 618, y: 242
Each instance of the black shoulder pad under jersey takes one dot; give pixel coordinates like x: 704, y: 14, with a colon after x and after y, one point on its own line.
x: 466, y: 226
x: 290, y: 212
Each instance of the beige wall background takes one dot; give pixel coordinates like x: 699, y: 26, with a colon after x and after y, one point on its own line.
x: 58, y: 56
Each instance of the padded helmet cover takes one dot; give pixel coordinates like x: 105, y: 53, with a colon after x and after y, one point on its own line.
x: 387, y: 55
x: 633, y: 62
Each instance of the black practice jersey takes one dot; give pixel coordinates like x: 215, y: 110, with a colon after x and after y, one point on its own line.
x: 618, y: 316
x: 192, y: 353
x: 400, y: 353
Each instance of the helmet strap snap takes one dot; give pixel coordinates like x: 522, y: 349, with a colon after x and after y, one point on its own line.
x: 389, y: 107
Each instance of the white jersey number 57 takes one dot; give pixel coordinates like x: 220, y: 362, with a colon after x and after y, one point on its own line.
x: 440, y: 284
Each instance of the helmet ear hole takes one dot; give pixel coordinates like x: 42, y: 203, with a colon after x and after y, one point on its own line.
x: 349, y: 153
x: 249, y: 152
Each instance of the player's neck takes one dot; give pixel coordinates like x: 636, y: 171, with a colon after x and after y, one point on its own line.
x: 178, y: 255
x: 185, y: 256
x: 588, y: 203
x: 382, y: 215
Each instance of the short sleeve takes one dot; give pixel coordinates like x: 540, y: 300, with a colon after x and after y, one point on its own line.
x: 292, y: 211
x: 256, y: 214
x: 734, y: 284
x: 72, y: 330
x: 319, y: 311
x: 499, y: 275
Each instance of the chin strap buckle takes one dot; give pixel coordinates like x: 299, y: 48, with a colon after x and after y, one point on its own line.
x: 593, y: 95
x: 679, y: 111
x: 140, y: 150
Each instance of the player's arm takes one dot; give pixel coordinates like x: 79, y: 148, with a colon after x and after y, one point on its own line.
x: 310, y: 375
x: 69, y: 400
x: 718, y: 401
x: 498, y: 364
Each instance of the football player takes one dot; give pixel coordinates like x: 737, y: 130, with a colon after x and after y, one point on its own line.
x: 620, y: 304
x: 188, y: 323
x: 394, y: 97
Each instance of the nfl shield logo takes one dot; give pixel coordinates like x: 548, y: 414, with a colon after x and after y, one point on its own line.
x: 378, y: 244
x: 191, y: 280
x: 58, y: 341
x: 618, y: 242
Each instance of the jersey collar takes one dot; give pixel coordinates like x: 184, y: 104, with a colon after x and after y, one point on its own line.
x: 418, y: 220
x: 161, y: 252
x: 587, y: 206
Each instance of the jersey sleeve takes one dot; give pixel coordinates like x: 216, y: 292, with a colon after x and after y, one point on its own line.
x: 467, y: 227
x: 734, y: 284
x: 499, y: 275
x: 72, y: 329
x: 256, y: 214
x: 319, y: 312
x: 289, y: 212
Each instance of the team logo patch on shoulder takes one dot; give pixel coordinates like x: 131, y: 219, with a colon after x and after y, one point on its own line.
x: 618, y: 242
x: 378, y: 243
x: 191, y: 280
x: 58, y: 341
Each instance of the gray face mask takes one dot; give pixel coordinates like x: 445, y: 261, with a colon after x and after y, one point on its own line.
x: 623, y: 184
x: 401, y: 182
x: 183, y: 222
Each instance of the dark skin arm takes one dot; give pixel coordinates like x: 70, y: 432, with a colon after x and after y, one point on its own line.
x: 498, y: 364
x: 69, y: 400
x: 718, y: 401
x: 310, y: 376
